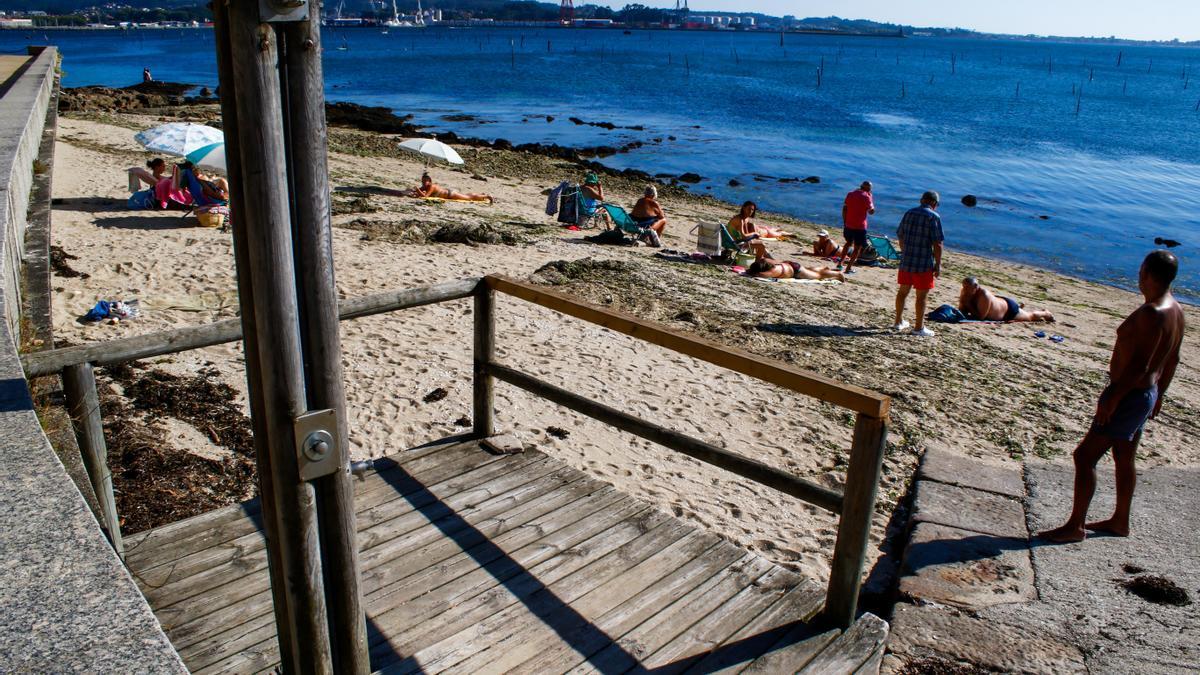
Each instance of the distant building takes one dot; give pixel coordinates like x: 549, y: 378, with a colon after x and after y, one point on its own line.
x: 16, y: 23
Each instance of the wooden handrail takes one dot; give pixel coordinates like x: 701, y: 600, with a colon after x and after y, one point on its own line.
x: 51, y: 362
x: 768, y: 370
x: 760, y: 473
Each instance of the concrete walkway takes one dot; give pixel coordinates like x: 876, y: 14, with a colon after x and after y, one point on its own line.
x: 977, y: 592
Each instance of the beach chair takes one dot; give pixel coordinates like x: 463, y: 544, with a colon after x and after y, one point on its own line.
x: 885, y: 251
x: 708, y: 238
x: 209, y: 211
x: 621, y: 220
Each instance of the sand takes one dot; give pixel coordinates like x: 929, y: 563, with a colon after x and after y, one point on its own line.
x: 993, y: 392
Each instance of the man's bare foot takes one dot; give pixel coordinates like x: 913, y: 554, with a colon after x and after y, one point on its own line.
x: 1110, y: 526
x: 1063, y: 535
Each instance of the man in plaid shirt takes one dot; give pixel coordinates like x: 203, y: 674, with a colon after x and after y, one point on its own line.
x: 920, y: 235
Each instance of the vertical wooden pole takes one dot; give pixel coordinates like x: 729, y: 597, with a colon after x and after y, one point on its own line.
x: 83, y: 404
x: 854, y: 526
x: 271, y: 272
x: 237, y: 207
x: 307, y: 143
x: 483, y: 414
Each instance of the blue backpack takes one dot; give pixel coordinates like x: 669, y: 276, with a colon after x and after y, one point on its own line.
x: 142, y: 201
x: 946, y: 314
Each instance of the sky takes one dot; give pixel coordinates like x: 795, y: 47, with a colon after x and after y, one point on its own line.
x: 1140, y: 20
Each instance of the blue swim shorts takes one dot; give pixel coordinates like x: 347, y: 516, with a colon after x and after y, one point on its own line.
x: 1130, y: 416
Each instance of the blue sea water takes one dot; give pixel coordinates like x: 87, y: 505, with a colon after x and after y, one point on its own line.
x: 1080, y: 154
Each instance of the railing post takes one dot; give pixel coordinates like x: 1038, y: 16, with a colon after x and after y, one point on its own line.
x: 483, y: 410
x: 83, y: 404
x: 854, y: 527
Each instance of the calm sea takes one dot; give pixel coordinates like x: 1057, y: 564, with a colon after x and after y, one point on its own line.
x: 1080, y: 155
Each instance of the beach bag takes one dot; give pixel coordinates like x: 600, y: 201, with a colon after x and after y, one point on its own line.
x: 211, y: 219
x: 946, y: 314
x: 553, y: 199
x: 142, y: 201
x: 568, y: 206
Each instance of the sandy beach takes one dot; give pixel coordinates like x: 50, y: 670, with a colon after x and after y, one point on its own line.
x: 994, y: 392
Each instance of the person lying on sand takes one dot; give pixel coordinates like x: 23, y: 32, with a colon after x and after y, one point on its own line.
x: 1142, y: 367
x: 430, y: 190
x: 790, y: 269
x: 156, y: 170
x: 977, y: 302
x: 648, y: 212
x: 824, y: 247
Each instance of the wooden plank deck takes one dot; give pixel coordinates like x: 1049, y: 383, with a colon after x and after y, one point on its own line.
x: 482, y: 563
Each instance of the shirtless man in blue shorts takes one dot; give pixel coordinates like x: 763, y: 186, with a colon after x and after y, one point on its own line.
x: 1142, y: 366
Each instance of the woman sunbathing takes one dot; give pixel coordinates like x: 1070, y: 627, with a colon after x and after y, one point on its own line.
x: 156, y: 170
x: 742, y: 226
x: 430, y: 190
x: 790, y: 269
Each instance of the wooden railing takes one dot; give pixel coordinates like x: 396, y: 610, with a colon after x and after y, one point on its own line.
x: 854, y: 506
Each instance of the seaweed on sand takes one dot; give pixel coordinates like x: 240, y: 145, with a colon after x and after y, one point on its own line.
x: 155, y: 483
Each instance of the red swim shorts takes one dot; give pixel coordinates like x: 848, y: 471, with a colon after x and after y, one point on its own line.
x: 922, y: 281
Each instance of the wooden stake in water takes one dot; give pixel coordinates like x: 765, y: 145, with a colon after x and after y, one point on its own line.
x: 1091, y: 74
x: 1120, y: 55
x: 820, y: 72
x: 687, y: 66
x: 931, y: 79
x: 903, y: 93
x: 1018, y: 96
x: 512, y: 55
x: 1051, y: 64
x: 953, y: 63
x: 735, y: 57
x: 547, y: 46
x: 1125, y: 86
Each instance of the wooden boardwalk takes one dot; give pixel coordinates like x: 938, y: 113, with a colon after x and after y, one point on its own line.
x: 474, y: 562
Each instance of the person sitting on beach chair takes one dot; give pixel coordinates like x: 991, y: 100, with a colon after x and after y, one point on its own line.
x: 743, y: 227
x: 430, y: 190
x: 790, y: 269
x: 977, y: 302
x: 209, y: 194
x: 625, y: 223
x: 648, y: 213
x: 824, y: 247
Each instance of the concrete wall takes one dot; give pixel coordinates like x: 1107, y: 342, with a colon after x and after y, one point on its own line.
x: 67, y: 603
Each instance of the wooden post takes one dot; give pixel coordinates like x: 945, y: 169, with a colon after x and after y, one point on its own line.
x: 237, y: 207
x: 483, y: 409
x: 854, y: 527
x: 83, y: 404
x: 307, y: 145
x: 275, y: 332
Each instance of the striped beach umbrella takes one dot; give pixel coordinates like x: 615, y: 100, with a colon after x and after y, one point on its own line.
x: 181, y: 139
x: 211, y: 156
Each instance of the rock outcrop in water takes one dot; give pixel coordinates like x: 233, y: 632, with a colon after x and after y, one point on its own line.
x: 135, y: 97
x: 970, y: 201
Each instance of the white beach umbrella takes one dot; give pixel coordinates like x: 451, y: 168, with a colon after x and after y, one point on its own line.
x: 180, y: 138
x: 433, y: 149
x: 211, y: 156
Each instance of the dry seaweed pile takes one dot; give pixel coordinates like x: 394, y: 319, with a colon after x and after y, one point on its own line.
x: 60, y: 266
x: 158, y: 484
x: 1158, y: 590
x: 412, y: 231
x: 936, y: 666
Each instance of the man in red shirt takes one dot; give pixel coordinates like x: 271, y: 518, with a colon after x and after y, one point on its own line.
x: 858, y: 205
